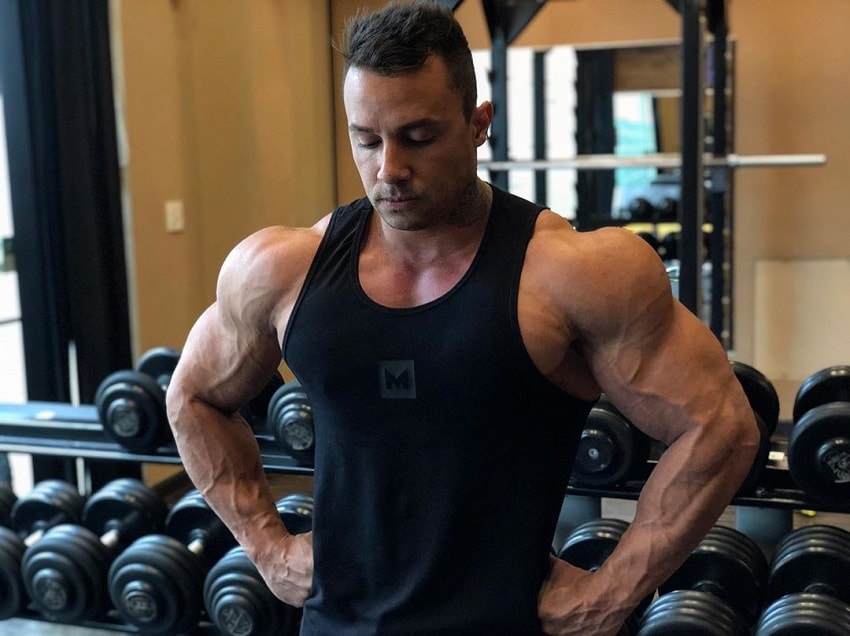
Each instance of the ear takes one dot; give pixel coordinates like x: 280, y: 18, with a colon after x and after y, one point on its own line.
x: 482, y: 117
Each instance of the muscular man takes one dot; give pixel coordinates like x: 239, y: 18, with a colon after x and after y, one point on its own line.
x: 451, y: 339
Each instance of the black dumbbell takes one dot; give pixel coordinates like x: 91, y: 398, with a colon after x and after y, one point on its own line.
x: 257, y: 410
x: 691, y: 613
x: 157, y: 583
x: 611, y: 450
x: 813, y: 559
x: 290, y: 421
x: 50, y: 503
x: 236, y: 598
x: 7, y: 500
x: 805, y: 614
x: 591, y: 543
x: 131, y: 403
x: 819, y: 443
x: 764, y: 402
x: 65, y: 572
x: 730, y: 566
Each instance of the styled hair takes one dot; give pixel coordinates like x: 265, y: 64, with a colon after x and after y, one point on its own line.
x: 400, y: 38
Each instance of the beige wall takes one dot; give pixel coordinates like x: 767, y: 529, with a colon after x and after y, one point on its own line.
x: 231, y: 107
x: 228, y: 108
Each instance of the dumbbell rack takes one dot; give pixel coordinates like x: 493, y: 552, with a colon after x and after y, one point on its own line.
x: 65, y: 430
x: 49, y: 428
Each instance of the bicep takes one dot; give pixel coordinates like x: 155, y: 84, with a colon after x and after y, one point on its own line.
x: 225, y: 363
x: 658, y: 362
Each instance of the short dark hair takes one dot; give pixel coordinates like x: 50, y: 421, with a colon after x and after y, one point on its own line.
x: 400, y: 38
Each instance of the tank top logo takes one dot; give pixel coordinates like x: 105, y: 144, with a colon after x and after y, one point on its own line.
x: 397, y: 379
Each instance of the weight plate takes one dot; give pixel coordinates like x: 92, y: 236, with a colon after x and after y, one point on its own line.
x: 296, y: 512
x: 7, y: 500
x: 240, y: 604
x: 49, y: 503
x: 829, y: 535
x: 191, y: 519
x: 157, y: 585
x: 819, y: 452
x: 128, y: 506
x: 159, y: 363
x: 727, y: 564
x: 760, y: 392
x: 12, y: 595
x: 290, y: 418
x: 831, y: 384
x: 131, y: 408
x: 589, y: 544
x: 65, y: 574
x: 691, y: 613
x: 609, y: 450
x: 811, y: 562
x: 256, y: 411
x: 804, y: 614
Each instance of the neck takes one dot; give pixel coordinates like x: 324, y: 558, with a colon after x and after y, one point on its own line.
x: 474, y: 206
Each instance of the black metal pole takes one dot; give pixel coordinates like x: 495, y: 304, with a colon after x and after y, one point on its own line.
x: 541, y: 192
x: 691, y: 209
x: 499, y: 97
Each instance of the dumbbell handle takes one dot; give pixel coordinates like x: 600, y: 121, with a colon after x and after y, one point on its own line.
x: 37, y: 530
x: 115, y: 528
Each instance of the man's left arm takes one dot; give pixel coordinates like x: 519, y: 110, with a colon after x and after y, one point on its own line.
x: 663, y: 368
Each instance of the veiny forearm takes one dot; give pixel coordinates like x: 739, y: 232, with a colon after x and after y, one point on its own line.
x: 688, y: 489
x: 222, y: 458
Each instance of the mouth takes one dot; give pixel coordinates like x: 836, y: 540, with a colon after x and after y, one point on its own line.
x: 396, y: 202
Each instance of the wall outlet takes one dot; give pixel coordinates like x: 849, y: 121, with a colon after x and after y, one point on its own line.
x: 175, y: 218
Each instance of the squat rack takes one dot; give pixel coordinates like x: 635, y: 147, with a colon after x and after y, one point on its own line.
x: 700, y: 191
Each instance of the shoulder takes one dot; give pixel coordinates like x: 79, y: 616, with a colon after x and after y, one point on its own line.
x: 601, y: 277
x: 264, y: 271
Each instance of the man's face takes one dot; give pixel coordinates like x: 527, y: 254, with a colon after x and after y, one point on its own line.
x: 414, y: 149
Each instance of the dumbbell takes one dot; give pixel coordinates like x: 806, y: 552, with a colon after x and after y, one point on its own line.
x: 807, y: 587
x: 610, y: 449
x: 764, y: 402
x: 65, y: 572
x: 805, y: 614
x: 157, y: 583
x: 131, y: 403
x: 591, y: 543
x: 290, y: 420
x: 48, y: 504
x: 819, y: 443
x: 812, y: 559
x: 7, y: 500
x: 730, y: 566
x: 256, y: 411
x: 691, y: 613
x: 236, y: 598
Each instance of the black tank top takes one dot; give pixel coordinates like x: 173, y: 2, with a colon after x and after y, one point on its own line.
x: 442, y: 453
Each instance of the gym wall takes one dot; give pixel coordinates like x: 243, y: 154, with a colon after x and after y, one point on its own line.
x: 232, y: 107
x: 227, y: 108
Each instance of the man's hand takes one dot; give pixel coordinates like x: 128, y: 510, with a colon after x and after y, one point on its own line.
x: 568, y: 604
x: 288, y: 568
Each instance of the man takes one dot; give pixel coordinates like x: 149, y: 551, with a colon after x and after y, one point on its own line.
x: 451, y: 339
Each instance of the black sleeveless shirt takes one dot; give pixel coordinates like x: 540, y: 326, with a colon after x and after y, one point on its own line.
x: 442, y: 453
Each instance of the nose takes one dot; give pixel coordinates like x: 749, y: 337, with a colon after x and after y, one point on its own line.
x: 395, y: 166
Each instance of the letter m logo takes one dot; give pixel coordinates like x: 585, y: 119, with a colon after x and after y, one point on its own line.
x: 396, y: 379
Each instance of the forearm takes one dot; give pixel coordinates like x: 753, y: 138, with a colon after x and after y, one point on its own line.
x: 691, y: 485
x: 222, y: 458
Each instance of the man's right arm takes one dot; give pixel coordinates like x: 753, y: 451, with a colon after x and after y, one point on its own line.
x: 231, y: 352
